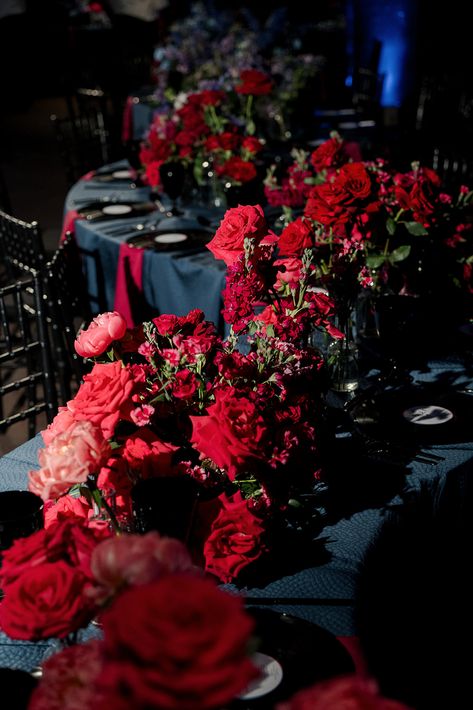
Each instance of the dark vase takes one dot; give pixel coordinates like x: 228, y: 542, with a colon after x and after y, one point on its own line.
x: 166, y: 504
x: 21, y: 514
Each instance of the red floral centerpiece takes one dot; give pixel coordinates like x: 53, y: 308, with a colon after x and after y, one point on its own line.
x: 240, y: 417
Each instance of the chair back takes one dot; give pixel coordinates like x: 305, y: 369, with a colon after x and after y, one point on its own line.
x: 27, y: 386
x: 68, y: 310
x: 21, y: 245
x: 88, y: 136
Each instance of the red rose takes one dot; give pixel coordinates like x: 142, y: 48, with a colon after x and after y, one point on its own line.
x: 152, y: 175
x: 47, y: 600
x: 105, y: 396
x: 354, y: 180
x: 326, y: 206
x: 160, y: 147
x: 231, y: 433
x: 252, y: 144
x: 234, y: 542
x: 228, y: 141
x: 177, y: 644
x: 296, y: 237
x: 330, y: 154
x: 66, y: 507
x: 147, y: 454
x: 238, y: 223
x: 25, y: 552
x: 238, y: 169
x: 210, y: 97
x: 68, y: 677
x: 185, y: 385
x: 341, y: 693
x: 254, y: 82
x: 167, y: 324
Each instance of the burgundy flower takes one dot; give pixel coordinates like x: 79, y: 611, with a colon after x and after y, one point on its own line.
x: 254, y: 82
x: 237, y: 169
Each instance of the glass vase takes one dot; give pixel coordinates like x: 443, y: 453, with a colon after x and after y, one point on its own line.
x: 342, y: 359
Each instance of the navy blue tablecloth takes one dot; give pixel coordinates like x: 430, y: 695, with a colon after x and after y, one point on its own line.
x: 173, y: 281
x: 322, y: 590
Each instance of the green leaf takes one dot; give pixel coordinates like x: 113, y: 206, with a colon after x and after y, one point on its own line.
x: 374, y: 261
x: 415, y: 228
x: 391, y: 226
x: 400, y: 253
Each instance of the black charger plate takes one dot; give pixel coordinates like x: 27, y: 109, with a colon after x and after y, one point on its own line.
x: 305, y: 652
x: 415, y: 414
x: 155, y: 239
x: 105, y: 209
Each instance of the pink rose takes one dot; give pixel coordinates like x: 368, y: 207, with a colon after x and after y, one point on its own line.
x: 289, y: 272
x: 136, y: 559
x: 100, y: 334
x: 237, y: 224
x: 69, y: 459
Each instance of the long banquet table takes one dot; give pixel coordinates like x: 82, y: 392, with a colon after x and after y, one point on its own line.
x: 173, y: 281
x: 321, y: 590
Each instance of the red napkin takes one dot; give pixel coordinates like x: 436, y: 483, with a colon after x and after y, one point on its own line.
x: 353, y: 647
x: 129, y: 282
x: 353, y: 150
x: 127, y: 124
x: 69, y: 223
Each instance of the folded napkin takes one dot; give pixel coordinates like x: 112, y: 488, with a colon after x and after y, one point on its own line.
x: 129, y: 284
x: 127, y: 123
x: 353, y: 647
x: 68, y: 224
x: 89, y: 176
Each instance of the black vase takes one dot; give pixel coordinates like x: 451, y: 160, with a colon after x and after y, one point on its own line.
x: 21, y: 514
x: 165, y: 504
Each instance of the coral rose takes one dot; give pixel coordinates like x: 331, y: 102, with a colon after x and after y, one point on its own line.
x: 98, y: 337
x: 237, y: 224
x: 69, y: 459
x: 105, y: 396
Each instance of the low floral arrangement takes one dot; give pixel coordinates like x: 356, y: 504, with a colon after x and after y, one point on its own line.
x: 390, y: 231
x: 241, y: 417
x: 210, y: 132
x: 209, y: 50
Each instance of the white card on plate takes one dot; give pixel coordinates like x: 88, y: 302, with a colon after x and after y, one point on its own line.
x: 116, y: 209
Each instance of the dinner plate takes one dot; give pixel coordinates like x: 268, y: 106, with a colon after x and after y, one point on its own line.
x: 419, y: 414
x: 117, y: 209
x: 109, y: 210
x: 171, y: 238
x: 159, y: 240
x: 115, y: 176
x: 292, y: 654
